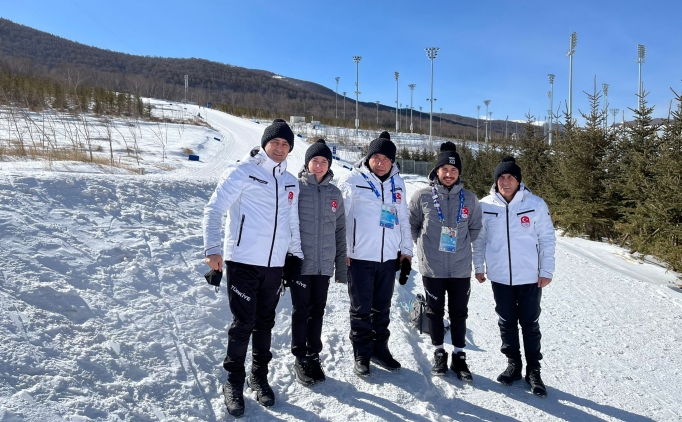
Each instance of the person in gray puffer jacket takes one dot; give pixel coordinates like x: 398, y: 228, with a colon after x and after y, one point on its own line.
x: 323, y: 241
x: 445, y: 219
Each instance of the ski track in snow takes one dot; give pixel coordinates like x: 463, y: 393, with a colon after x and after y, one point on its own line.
x: 105, y: 315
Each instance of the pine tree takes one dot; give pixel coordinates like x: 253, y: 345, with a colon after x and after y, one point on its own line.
x: 533, y: 157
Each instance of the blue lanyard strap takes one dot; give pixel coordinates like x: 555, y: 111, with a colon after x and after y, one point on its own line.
x: 374, y: 188
x: 436, y: 203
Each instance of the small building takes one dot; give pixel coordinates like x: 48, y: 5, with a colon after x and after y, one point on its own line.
x: 296, y: 119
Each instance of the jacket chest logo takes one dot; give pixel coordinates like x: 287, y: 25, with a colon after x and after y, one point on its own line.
x: 525, y: 221
x: 398, y: 197
x: 291, y: 197
x: 465, y: 213
x: 335, y: 205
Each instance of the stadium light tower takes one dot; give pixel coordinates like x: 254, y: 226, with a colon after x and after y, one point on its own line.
x: 397, y: 122
x: 551, y: 104
x: 486, y: 102
x: 378, y: 111
x: 431, y: 53
x: 614, y: 111
x: 641, y: 55
x: 344, y: 105
x: 420, y: 117
x: 605, y: 89
x: 357, y: 59
x: 478, y: 112
x: 186, y: 84
x: 412, y: 87
x: 571, y: 50
x: 337, y: 96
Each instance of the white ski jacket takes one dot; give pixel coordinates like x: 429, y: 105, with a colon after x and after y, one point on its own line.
x: 262, y: 224
x: 366, y: 239
x: 517, y: 240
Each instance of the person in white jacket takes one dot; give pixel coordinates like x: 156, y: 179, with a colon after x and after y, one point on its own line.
x: 378, y: 235
x: 516, y: 243
x: 261, y: 199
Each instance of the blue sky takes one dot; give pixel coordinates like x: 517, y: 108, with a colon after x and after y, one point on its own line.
x: 496, y: 50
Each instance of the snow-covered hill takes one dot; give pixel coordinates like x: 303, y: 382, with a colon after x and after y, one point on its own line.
x: 105, y: 315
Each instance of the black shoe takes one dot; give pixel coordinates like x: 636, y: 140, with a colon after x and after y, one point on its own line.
x: 234, y: 399
x: 460, y: 368
x: 303, y: 369
x: 511, y: 374
x: 361, y: 368
x: 386, y: 361
x: 264, y: 394
x: 440, y: 366
x: 537, y: 387
x: 318, y: 373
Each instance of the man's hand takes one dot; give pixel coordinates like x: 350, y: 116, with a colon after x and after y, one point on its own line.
x: 348, y: 261
x: 480, y: 277
x: 408, y: 257
x: 215, y: 262
x: 543, y: 282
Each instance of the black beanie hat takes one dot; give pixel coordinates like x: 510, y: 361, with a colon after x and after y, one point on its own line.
x: 278, y: 129
x: 385, y: 135
x: 318, y: 149
x: 382, y: 146
x: 508, y: 166
x: 448, y: 155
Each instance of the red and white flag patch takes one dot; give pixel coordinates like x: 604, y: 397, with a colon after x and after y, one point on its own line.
x: 525, y: 221
x: 335, y: 205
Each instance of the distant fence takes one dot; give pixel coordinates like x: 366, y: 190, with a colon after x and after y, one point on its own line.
x: 421, y: 168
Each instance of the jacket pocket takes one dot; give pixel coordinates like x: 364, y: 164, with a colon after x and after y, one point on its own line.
x: 241, y: 228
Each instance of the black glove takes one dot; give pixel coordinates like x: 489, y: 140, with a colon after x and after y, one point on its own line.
x: 405, y: 268
x: 397, y: 262
x: 291, y: 270
x: 214, y: 277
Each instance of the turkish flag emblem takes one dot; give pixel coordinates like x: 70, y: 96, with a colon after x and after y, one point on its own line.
x: 525, y: 221
x: 291, y: 197
x: 335, y: 205
x: 398, y: 197
x: 465, y: 213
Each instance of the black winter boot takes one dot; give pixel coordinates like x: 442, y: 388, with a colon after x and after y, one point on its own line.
x: 264, y: 394
x: 234, y: 399
x: 511, y: 374
x: 537, y: 387
x: 460, y: 368
x: 361, y: 368
x: 303, y: 369
x: 318, y: 373
x: 440, y: 365
x: 385, y: 360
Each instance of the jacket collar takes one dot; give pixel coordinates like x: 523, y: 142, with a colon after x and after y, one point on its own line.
x: 362, y: 168
x: 444, y: 191
x: 258, y: 157
x: 518, y: 197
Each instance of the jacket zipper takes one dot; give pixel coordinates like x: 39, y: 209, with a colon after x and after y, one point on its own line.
x: 241, y: 227
x: 509, y: 247
x: 274, y: 231
x: 319, y: 221
x: 354, y: 225
x: 383, y: 229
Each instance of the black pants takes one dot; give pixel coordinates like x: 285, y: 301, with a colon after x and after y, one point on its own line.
x: 519, y: 305
x: 309, y: 298
x: 252, y: 292
x: 458, y: 290
x: 370, y: 287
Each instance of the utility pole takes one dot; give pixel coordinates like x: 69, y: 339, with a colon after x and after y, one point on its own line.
x: 344, y: 105
x: 186, y: 85
x: 420, y: 118
x: 440, y: 125
x: 431, y: 53
x: 357, y: 59
x: 605, y: 89
x: 378, y: 111
x: 478, y: 112
x: 397, y: 122
x: 551, y: 105
x: 486, y: 102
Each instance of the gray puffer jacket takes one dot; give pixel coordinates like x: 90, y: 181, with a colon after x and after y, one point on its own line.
x: 323, y: 226
x: 426, y: 229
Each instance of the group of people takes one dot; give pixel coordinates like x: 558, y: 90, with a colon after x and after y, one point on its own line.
x: 300, y: 234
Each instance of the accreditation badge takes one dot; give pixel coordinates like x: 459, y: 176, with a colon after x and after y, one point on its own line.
x: 448, y: 240
x: 389, y: 216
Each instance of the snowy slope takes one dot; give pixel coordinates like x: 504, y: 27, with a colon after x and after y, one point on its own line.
x: 105, y: 315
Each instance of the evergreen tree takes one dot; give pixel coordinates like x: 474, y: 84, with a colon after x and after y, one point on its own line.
x: 533, y: 157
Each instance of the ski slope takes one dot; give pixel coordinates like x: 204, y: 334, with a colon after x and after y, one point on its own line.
x: 105, y: 315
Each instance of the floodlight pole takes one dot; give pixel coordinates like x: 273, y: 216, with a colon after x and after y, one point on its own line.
x: 378, y: 111
x: 551, y: 105
x: 486, y: 102
x: 614, y: 111
x: 357, y: 59
x: 641, y: 55
x: 478, y: 112
x: 431, y: 53
x: 397, y: 122
x: 344, y: 106
x: 420, y: 117
x: 605, y: 89
x: 412, y: 87
x: 337, y: 97
x: 571, y: 50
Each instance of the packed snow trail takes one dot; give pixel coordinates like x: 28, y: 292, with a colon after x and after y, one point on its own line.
x: 105, y: 315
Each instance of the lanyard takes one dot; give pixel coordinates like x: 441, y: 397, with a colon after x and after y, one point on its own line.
x: 436, y: 203
x: 376, y: 192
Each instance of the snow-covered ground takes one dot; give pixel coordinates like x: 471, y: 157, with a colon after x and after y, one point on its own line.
x: 105, y: 314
